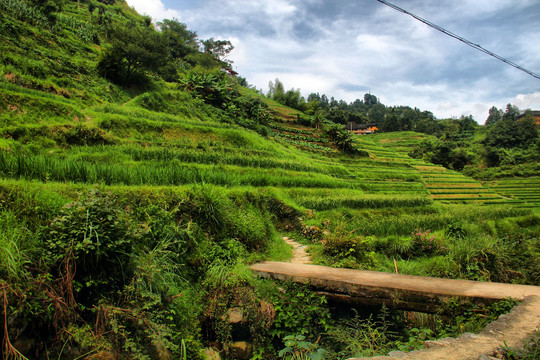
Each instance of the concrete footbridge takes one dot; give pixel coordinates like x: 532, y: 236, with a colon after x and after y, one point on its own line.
x: 416, y: 293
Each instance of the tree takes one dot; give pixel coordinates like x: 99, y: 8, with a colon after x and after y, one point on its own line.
x: 390, y: 123
x: 511, y: 113
x: 218, y: 48
x: 49, y: 8
x: 180, y: 41
x: 370, y: 100
x: 376, y: 113
x: 337, y: 116
x: 134, y: 50
x: 467, y: 124
x: 495, y: 115
x: 277, y: 90
x: 292, y: 98
x: 509, y: 132
x: 341, y: 137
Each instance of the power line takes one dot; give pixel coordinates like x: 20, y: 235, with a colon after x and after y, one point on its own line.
x: 455, y: 36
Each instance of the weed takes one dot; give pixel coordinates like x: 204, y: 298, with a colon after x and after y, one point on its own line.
x: 297, y: 348
x: 299, y: 311
x: 529, y: 351
x: 365, y: 337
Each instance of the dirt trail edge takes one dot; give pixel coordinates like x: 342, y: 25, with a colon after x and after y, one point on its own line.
x: 510, y: 330
x: 426, y: 293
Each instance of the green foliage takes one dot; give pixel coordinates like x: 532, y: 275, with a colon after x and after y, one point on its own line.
x: 213, y: 88
x: 298, y: 310
x: 481, y: 258
x: 149, y: 266
x: 82, y: 29
x: 223, y: 277
x: 360, y: 201
x: 218, y: 48
x: 341, y: 137
x: 445, y: 153
x: 365, y: 337
x: 180, y: 40
x: 456, y: 231
x: 23, y: 11
x: 467, y: 317
x: 90, y: 241
x: 15, y: 246
x: 134, y: 50
x: 509, y: 133
x: 348, y: 250
x: 296, y: 348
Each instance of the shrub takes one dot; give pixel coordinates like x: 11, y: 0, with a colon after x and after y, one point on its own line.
x: 425, y: 244
x: 312, y: 233
x: 482, y: 258
x: 214, y: 88
x: 348, y: 250
x: 296, y: 348
x: 89, y: 242
x: 298, y: 310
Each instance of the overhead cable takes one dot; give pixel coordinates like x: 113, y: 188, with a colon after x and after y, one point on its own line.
x: 455, y: 36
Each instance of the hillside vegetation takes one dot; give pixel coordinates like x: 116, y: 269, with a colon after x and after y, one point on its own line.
x: 140, y: 176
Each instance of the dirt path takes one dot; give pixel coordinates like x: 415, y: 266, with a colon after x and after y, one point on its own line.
x: 300, y: 255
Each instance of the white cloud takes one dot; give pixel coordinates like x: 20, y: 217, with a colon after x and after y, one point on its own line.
x: 527, y: 101
x: 340, y: 49
x: 154, y: 8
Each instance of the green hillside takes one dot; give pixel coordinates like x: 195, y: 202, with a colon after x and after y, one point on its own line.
x: 135, y: 192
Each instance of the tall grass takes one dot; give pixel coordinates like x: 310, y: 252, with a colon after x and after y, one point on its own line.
x: 82, y: 29
x: 46, y: 168
x: 402, y: 221
x: 214, y: 156
x: 15, y: 243
x: 363, y: 201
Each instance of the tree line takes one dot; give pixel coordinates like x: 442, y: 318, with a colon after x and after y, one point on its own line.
x: 368, y: 110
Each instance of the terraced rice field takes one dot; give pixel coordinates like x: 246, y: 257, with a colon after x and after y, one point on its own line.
x: 449, y: 186
x: 299, y: 136
x: 524, y: 190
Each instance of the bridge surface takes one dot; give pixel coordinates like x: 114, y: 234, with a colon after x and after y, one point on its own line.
x: 417, y: 293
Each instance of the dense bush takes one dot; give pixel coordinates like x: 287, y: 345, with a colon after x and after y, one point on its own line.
x: 89, y: 242
x: 348, y: 250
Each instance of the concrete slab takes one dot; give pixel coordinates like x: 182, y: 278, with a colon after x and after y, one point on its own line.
x: 401, y: 291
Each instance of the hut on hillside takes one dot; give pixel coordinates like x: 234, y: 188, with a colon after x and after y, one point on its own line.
x: 362, y: 129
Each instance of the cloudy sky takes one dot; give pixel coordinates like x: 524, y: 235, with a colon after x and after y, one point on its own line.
x: 346, y: 48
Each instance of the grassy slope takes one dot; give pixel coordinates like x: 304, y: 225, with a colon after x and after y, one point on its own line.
x: 61, y: 122
x: 66, y: 131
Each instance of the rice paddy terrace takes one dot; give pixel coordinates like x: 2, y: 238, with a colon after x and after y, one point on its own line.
x: 524, y: 190
x: 193, y: 192
x: 183, y: 145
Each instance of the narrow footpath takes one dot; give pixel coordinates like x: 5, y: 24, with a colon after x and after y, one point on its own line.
x: 300, y: 255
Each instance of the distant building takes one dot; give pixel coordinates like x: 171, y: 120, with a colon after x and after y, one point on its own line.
x: 362, y: 129
x: 535, y: 114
